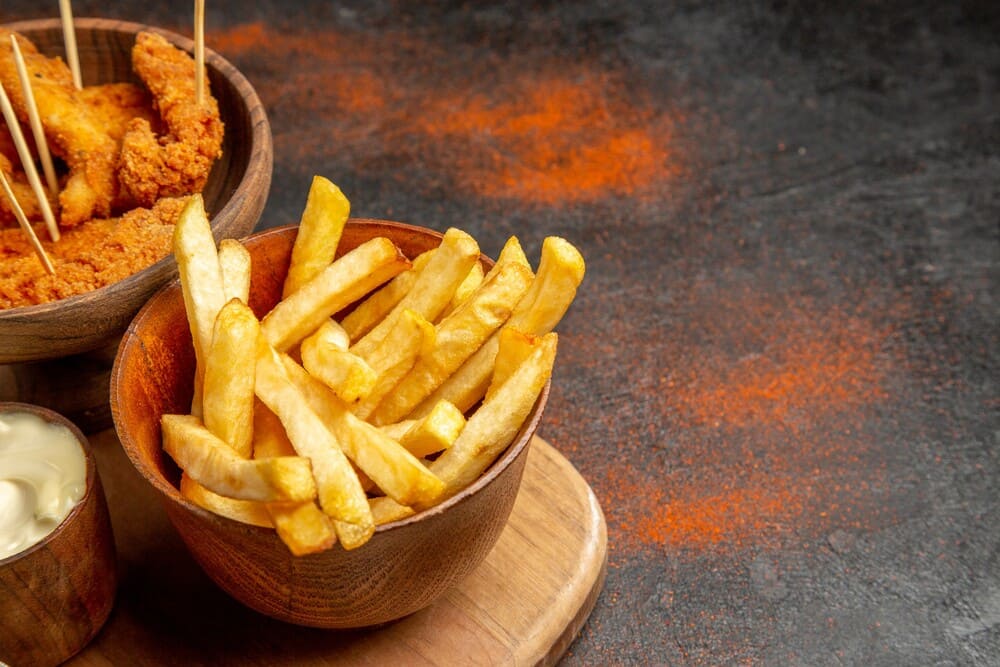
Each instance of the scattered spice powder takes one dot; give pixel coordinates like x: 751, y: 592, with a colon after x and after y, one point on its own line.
x: 768, y: 443
x: 553, y: 133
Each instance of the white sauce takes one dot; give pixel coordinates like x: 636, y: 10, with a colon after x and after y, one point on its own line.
x: 43, y: 475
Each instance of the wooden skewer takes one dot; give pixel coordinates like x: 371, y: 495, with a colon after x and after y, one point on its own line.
x: 199, y: 51
x: 69, y: 38
x: 36, y: 122
x: 28, y: 162
x: 22, y: 220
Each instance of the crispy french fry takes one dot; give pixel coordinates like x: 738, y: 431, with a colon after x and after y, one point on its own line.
x: 458, y: 338
x: 213, y: 464
x: 339, y: 491
x: 344, y: 281
x: 433, y: 288
x: 393, y: 469
x: 234, y: 261
x: 269, y: 437
x: 303, y: 527
x: 227, y: 395
x: 201, y: 283
x: 377, y: 305
x: 463, y: 291
x: 492, y: 427
x: 427, y: 435
x: 322, y: 224
x: 513, y: 348
x: 244, y: 511
x: 412, y: 337
x: 324, y: 354
x: 560, y: 272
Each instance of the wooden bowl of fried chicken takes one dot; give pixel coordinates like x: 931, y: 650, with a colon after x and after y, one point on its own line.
x: 130, y: 147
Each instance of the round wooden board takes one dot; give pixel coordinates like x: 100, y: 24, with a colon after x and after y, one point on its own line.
x: 524, y: 605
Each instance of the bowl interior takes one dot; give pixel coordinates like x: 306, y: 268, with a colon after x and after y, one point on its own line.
x: 234, y: 194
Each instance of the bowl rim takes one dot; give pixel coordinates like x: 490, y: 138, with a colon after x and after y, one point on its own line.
x: 260, y: 132
x: 170, y: 492
x: 90, y: 489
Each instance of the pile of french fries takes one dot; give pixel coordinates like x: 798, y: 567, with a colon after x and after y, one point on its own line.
x: 323, y: 429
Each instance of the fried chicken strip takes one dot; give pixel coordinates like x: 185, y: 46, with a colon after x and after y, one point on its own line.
x: 179, y: 161
x: 74, y: 132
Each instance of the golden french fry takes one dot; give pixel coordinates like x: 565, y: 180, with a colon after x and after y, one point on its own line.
x: 490, y: 430
x: 213, y: 464
x: 377, y: 305
x: 227, y: 395
x: 234, y: 261
x: 244, y: 511
x: 344, y: 281
x: 560, y: 272
x: 493, y: 425
x: 201, y: 283
x: 324, y: 354
x: 322, y: 224
x: 463, y: 291
x: 427, y: 435
x: 339, y: 491
x: 269, y: 437
x: 412, y: 337
x: 458, y: 337
x: 303, y: 527
x: 393, y: 469
x: 513, y: 348
x: 432, y: 290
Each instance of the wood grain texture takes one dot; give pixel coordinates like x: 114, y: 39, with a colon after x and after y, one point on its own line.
x: 234, y: 195
x: 523, y: 605
x: 56, y: 595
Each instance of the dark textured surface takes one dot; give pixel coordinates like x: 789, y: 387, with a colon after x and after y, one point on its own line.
x: 780, y: 375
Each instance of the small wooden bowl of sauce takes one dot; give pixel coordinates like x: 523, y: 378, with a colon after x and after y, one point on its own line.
x: 58, y: 569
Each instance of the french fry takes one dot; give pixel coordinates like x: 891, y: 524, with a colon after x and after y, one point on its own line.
x: 320, y: 228
x: 346, y: 280
x: 412, y: 337
x: 493, y: 425
x: 428, y: 435
x: 433, y: 288
x: 490, y: 430
x: 513, y: 348
x: 324, y: 354
x: 463, y: 291
x: 244, y: 511
x: 377, y: 305
x: 201, y: 283
x: 303, y: 527
x: 234, y: 261
x: 560, y: 272
x: 393, y: 469
x: 458, y: 338
x: 228, y: 395
x: 213, y: 464
x: 338, y: 489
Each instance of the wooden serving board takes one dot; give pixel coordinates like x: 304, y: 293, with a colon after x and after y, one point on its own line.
x: 523, y: 606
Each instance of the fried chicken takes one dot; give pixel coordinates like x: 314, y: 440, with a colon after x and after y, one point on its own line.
x: 75, y: 133
x: 179, y: 161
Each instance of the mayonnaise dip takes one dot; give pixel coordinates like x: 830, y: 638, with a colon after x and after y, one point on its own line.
x: 43, y: 475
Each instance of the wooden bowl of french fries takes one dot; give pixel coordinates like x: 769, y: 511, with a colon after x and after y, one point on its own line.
x: 234, y: 193
x: 338, y: 427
